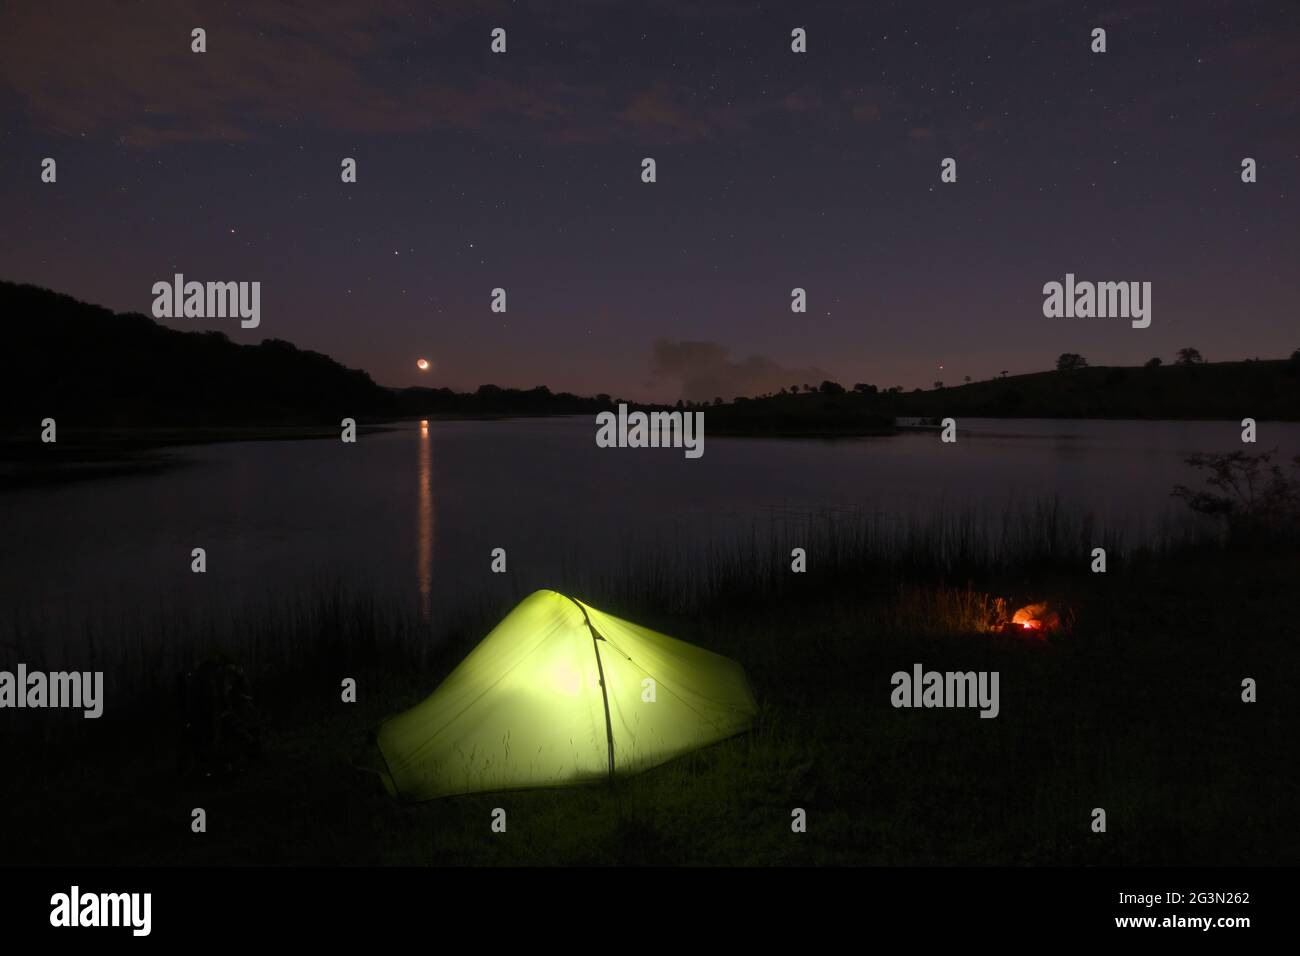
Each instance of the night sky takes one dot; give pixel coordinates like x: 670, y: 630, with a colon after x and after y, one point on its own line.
x: 775, y: 170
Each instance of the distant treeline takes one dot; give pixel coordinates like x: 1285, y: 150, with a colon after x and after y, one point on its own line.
x: 1192, y: 390
x: 88, y: 367
x: 819, y: 414
x: 493, y: 401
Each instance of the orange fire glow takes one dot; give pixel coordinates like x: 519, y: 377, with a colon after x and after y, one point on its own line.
x: 1036, y: 617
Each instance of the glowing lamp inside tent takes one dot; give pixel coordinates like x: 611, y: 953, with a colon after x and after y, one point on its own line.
x: 552, y: 697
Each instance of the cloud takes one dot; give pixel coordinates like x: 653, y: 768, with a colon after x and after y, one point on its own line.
x: 706, y: 371
x: 802, y: 101
x: 661, y: 110
x: 867, y: 104
x: 126, y: 71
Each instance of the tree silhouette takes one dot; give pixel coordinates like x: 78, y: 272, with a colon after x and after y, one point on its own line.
x: 1254, y: 494
x: 1068, y: 361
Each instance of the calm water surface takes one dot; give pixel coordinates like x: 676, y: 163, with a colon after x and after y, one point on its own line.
x: 413, y: 514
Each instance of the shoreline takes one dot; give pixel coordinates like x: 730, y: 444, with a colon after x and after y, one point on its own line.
x: 91, y: 454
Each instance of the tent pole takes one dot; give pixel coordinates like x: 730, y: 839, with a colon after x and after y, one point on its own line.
x: 604, y: 694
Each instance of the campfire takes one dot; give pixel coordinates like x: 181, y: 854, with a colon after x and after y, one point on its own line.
x: 1032, y: 620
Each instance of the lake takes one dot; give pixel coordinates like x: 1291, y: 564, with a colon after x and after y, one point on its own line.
x: 413, y: 514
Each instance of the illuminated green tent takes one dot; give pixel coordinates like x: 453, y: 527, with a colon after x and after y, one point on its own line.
x: 562, y: 694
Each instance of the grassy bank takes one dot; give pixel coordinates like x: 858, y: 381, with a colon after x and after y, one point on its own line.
x: 1135, y: 708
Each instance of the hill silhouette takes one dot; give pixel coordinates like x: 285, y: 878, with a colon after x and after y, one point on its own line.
x: 1262, y: 389
x: 1257, y: 389
x: 87, y: 365
x: 92, y: 368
